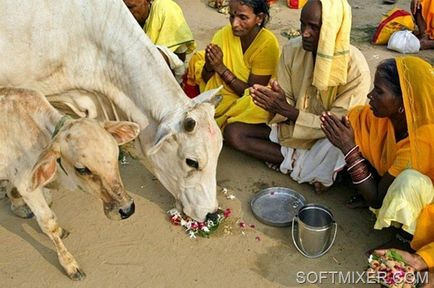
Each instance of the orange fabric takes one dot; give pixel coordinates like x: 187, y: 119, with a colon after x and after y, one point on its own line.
x: 376, y: 136
x: 376, y: 139
x: 416, y: 77
x: 428, y: 16
x: 423, y: 239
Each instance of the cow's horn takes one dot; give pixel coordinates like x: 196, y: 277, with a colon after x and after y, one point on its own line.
x: 208, y: 96
x: 189, y: 124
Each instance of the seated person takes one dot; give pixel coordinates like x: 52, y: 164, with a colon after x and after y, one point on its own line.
x: 388, y: 144
x: 240, y: 54
x: 423, y: 13
x: 164, y: 23
x: 319, y: 71
x: 423, y: 243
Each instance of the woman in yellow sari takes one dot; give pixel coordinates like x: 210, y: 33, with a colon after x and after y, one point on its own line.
x: 240, y: 54
x: 165, y: 25
x: 388, y: 144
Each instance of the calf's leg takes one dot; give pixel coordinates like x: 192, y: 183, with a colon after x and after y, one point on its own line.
x: 18, y: 206
x: 48, y: 223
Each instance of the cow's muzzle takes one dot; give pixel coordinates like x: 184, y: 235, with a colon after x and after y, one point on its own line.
x: 114, y: 211
x: 127, y: 212
x: 212, y: 216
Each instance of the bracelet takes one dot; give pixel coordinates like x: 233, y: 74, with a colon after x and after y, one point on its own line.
x: 360, y: 173
x: 354, y: 156
x: 363, y: 180
x: 228, y: 77
x: 355, y: 164
x: 351, y: 151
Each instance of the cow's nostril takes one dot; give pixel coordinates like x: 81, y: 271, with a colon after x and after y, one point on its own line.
x: 127, y: 212
x: 212, y: 216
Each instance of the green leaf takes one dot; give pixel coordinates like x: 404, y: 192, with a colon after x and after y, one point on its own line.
x: 393, y: 254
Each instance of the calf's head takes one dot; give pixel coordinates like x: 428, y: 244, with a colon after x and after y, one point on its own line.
x: 87, y: 152
x: 184, y: 159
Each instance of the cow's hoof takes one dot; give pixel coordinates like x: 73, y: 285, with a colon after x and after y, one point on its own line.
x: 78, y: 275
x: 22, y: 211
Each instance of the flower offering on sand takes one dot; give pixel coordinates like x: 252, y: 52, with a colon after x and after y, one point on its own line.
x: 194, y: 228
x: 390, y: 270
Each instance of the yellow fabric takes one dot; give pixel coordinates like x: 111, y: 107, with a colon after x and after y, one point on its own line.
x: 333, y: 46
x: 394, y: 20
x: 376, y: 136
x: 428, y: 16
x: 260, y: 59
x: 408, y: 194
x: 294, y: 74
x: 166, y: 26
x: 423, y: 240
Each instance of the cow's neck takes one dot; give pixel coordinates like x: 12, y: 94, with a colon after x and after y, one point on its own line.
x: 140, y: 73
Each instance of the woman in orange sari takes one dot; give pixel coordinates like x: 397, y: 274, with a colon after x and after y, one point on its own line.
x: 388, y: 144
x: 423, y: 13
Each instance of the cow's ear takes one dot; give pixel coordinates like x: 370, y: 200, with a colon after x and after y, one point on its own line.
x: 122, y: 131
x: 45, y: 168
x: 163, y: 132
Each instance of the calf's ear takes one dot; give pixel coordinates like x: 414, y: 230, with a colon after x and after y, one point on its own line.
x: 45, y: 168
x: 122, y: 131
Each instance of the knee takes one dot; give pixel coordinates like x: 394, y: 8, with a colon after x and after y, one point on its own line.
x: 412, y: 177
x: 413, y: 185
x: 234, y: 136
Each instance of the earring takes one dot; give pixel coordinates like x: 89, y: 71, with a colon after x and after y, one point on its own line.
x: 401, y: 110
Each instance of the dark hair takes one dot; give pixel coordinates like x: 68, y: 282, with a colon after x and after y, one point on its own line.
x: 259, y: 6
x: 388, y: 70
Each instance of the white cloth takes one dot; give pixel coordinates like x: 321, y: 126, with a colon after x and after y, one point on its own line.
x: 404, y: 42
x: 318, y: 164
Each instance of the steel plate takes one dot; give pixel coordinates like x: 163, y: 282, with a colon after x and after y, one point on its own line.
x: 276, y: 206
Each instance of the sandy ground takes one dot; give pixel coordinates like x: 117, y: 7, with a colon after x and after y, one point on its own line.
x: 147, y: 251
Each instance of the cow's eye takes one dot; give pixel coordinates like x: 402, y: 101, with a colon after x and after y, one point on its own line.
x: 83, y: 171
x: 192, y: 163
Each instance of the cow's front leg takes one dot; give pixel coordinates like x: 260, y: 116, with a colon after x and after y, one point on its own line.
x: 18, y: 206
x: 48, y: 223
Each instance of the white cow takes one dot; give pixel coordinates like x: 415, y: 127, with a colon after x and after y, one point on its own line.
x: 92, y: 58
x: 35, y: 139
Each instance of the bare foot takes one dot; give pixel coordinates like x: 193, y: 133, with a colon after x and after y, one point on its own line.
x: 273, y: 166
x: 426, y: 44
x: 319, y: 187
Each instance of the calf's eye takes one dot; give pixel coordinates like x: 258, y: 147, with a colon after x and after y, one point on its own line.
x: 83, y: 171
x: 192, y: 163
